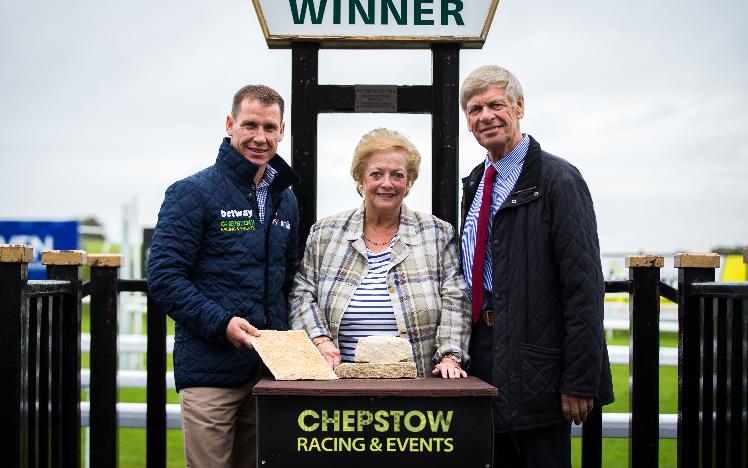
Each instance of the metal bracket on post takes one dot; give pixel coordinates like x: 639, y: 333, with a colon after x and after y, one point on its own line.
x: 692, y: 268
x: 66, y: 265
x: 103, y: 387
x: 644, y: 347
x: 14, y: 266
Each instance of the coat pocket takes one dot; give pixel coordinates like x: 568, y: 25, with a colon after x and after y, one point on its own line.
x: 541, y: 377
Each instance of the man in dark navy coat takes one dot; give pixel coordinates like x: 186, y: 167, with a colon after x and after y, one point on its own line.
x: 531, y: 259
x: 223, y: 257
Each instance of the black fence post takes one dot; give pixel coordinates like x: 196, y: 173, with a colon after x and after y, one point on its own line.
x: 644, y: 349
x: 14, y: 264
x: 445, y: 123
x: 304, y: 76
x: 592, y: 439
x: 156, y: 387
x: 103, y: 386
x: 66, y: 358
x: 692, y: 268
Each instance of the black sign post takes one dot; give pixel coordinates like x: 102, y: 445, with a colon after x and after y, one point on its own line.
x: 374, y: 423
x: 440, y: 99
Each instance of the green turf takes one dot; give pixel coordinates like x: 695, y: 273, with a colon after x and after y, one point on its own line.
x: 132, y: 445
x: 615, y: 451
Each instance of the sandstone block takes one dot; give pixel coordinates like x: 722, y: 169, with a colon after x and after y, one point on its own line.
x: 368, y: 370
x: 383, y: 350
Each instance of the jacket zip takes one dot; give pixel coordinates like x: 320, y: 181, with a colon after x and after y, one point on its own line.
x: 268, y: 226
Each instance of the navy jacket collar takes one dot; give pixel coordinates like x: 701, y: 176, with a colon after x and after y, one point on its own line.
x: 243, y: 172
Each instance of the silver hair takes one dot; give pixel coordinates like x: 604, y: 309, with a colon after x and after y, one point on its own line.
x: 485, y: 76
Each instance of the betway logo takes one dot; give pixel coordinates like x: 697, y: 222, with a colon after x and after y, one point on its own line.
x: 415, y: 12
x: 236, y: 214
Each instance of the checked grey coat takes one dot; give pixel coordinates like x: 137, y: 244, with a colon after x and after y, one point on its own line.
x: 427, y: 289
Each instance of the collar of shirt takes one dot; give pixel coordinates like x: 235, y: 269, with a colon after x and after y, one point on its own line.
x: 509, y: 163
x: 267, y: 177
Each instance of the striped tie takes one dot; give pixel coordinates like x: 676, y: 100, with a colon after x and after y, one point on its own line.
x: 480, y: 242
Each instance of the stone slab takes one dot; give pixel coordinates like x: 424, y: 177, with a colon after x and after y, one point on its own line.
x: 16, y: 253
x: 645, y: 261
x: 383, y: 350
x: 370, y: 370
x: 64, y: 257
x: 105, y: 260
x: 696, y: 260
x: 291, y: 355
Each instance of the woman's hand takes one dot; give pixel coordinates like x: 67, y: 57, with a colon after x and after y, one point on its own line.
x: 449, y: 369
x: 328, y: 350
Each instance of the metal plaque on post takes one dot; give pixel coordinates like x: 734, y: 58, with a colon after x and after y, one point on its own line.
x: 376, y: 98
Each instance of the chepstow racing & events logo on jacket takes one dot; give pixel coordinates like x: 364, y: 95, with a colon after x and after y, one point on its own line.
x: 232, y: 225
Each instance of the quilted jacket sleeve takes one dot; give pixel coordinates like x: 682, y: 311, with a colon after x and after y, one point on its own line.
x: 176, y: 245
x: 453, y: 331
x: 577, y: 256
x: 305, y: 313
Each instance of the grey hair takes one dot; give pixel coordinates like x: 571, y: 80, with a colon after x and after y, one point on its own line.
x: 483, y: 77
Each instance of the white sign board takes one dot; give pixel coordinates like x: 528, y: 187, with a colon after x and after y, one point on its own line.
x: 376, y: 23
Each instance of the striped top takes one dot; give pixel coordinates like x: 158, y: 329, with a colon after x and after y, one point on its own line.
x: 370, y: 311
x: 508, y: 170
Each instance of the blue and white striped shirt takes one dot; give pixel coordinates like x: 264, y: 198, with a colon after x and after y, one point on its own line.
x: 508, y: 170
x: 370, y: 311
x: 262, y: 189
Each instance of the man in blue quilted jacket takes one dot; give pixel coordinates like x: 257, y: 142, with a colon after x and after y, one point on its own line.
x: 223, y: 257
x: 531, y: 260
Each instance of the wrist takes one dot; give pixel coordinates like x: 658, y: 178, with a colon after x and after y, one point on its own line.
x: 454, y: 358
x: 321, y: 339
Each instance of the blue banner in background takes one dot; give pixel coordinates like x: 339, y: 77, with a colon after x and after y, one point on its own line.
x: 40, y: 235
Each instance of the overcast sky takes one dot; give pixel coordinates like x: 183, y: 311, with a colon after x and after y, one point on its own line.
x: 105, y: 103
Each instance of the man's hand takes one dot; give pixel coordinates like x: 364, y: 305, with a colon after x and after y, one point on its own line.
x: 328, y: 350
x: 238, y: 331
x: 576, y: 409
x: 449, y: 369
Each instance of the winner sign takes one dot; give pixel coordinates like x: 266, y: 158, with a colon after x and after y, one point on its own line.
x: 376, y: 23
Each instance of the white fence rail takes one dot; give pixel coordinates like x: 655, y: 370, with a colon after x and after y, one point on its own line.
x: 615, y: 425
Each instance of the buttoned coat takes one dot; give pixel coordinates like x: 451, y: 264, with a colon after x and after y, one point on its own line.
x: 547, y: 296
x: 426, y: 286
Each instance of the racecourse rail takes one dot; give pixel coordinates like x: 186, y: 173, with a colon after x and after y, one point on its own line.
x: 42, y: 345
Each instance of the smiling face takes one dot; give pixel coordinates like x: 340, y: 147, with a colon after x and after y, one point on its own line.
x: 385, y: 181
x: 493, y: 119
x: 256, y: 130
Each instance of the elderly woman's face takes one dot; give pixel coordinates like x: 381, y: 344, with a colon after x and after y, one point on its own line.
x: 385, y: 180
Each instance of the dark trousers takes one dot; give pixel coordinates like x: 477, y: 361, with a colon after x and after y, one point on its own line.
x: 549, y: 447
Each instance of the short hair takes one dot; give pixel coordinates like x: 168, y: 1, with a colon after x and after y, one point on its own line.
x: 381, y: 139
x: 485, y: 76
x: 265, y: 94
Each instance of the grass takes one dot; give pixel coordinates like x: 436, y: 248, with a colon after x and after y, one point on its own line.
x: 132, y: 444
